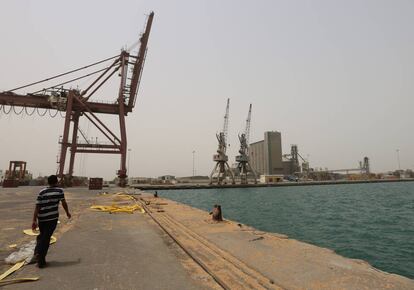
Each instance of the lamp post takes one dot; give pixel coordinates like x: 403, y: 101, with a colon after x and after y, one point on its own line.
x: 193, y: 163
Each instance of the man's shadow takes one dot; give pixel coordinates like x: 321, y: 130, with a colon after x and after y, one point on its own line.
x: 63, y: 263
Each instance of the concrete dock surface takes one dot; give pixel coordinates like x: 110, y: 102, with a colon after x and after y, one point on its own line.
x: 98, y: 250
x: 172, y: 246
x: 289, y: 263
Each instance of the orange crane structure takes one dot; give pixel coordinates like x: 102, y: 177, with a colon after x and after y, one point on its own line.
x: 76, y: 103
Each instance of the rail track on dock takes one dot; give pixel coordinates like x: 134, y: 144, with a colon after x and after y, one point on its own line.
x: 228, y: 271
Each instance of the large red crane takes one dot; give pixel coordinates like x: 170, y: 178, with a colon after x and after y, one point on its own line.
x: 76, y: 103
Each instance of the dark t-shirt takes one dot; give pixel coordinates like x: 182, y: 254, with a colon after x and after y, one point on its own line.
x: 48, y: 201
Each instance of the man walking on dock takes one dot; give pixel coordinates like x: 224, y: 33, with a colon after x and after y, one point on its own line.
x: 46, y: 216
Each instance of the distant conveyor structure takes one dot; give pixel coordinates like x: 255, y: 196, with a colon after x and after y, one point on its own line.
x: 76, y: 103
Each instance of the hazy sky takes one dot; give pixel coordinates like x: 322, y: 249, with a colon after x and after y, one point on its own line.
x: 335, y: 77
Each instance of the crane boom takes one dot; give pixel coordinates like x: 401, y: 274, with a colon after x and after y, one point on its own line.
x: 45, y: 102
x: 247, y: 130
x: 243, y: 161
x: 41, y: 100
x: 222, y: 169
x: 139, y: 64
x: 226, y: 121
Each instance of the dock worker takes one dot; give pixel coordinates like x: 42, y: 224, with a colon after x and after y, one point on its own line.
x: 46, y: 216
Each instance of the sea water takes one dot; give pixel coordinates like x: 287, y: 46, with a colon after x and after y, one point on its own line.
x: 373, y: 222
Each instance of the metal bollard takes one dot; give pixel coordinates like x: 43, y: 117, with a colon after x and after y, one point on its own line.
x: 217, y: 213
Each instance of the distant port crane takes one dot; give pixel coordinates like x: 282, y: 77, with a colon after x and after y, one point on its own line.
x: 76, y: 103
x: 243, y: 160
x: 222, y: 169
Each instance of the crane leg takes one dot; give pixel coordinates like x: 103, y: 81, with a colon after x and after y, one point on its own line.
x: 231, y: 173
x: 73, y: 147
x: 64, y: 144
x: 212, y: 172
x: 122, y: 173
x: 250, y: 169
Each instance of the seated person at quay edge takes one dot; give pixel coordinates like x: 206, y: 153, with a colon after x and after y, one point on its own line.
x: 46, y: 216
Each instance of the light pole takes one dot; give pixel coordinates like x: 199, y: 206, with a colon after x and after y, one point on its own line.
x: 398, y: 159
x: 193, y: 164
x: 129, y: 156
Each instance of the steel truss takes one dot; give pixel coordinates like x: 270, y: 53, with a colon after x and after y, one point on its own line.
x: 76, y: 103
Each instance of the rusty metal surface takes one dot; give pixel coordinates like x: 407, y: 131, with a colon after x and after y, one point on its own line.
x: 75, y: 103
x: 42, y: 102
x: 139, y: 64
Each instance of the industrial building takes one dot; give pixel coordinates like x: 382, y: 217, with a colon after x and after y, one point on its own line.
x: 267, y: 159
x: 266, y: 155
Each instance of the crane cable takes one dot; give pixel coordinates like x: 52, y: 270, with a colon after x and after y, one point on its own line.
x: 4, y: 109
x: 14, y: 110
x: 69, y: 81
x: 25, y: 109
x: 50, y: 114
x: 12, y: 107
x: 63, y: 74
x: 41, y: 115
